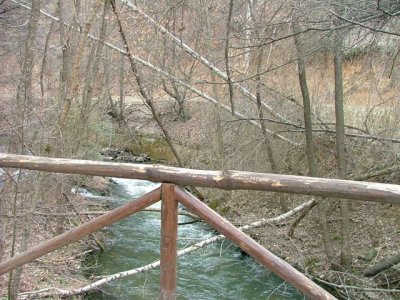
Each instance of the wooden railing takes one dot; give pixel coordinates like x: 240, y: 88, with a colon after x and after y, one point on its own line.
x: 171, y: 194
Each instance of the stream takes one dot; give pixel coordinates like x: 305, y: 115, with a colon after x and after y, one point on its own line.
x: 218, y: 271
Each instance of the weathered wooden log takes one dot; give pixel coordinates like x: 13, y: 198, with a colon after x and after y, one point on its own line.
x: 382, y: 265
x: 168, y: 247
x: 77, y: 233
x: 233, y: 180
x: 251, y: 247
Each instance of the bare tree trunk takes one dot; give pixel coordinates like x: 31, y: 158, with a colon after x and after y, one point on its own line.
x: 12, y: 291
x: 146, y: 96
x: 121, y: 90
x: 25, y: 87
x: 24, y: 100
x: 92, y: 70
x: 219, y: 134
x: 108, y: 60
x: 217, y: 114
x: 177, y: 92
x: 310, y: 150
x: 264, y: 130
x: 44, y: 60
x: 227, y: 65
x: 346, y: 257
x: 68, y: 47
x: 267, y: 142
x: 219, y: 131
x: 24, y: 91
x: 249, y: 8
x: 81, y: 128
x: 73, y: 46
x: 73, y: 82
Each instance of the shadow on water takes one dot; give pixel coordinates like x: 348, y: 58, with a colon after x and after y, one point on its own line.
x: 218, y: 271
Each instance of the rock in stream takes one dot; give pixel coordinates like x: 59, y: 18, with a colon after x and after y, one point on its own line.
x: 122, y: 155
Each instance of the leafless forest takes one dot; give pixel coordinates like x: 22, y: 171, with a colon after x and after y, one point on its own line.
x: 287, y: 87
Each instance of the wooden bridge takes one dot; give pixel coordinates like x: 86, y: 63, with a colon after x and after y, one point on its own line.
x: 170, y: 193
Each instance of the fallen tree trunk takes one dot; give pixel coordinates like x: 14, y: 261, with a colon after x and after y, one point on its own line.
x: 107, y: 279
x: 382, y: 265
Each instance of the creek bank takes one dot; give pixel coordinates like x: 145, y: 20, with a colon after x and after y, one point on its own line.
x: 97, y: 185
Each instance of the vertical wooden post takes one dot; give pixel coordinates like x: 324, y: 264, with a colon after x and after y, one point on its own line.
x: 168, y: 248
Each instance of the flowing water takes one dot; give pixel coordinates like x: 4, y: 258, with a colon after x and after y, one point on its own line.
x: 218, y: 271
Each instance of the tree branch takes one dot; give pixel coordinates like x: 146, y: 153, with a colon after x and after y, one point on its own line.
x: 363, y: 25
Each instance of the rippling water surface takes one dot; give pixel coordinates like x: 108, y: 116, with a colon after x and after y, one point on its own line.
x: 218, y: 271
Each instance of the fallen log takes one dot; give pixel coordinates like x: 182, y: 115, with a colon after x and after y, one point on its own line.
x: 382, y: 265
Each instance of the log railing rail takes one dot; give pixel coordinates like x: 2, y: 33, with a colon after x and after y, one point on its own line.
x: 231, y: 180
x: 171, y: 194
